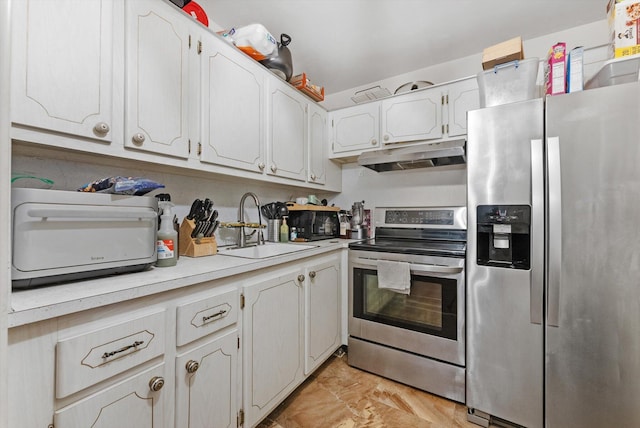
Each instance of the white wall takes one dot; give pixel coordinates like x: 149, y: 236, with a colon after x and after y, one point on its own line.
x: 419, y: 187
x: 592, y: 36
x: 70, y: 171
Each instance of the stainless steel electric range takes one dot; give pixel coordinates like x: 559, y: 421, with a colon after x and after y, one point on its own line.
x: 415, y: 336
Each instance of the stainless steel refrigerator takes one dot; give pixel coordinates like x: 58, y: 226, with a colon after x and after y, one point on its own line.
x: 553, y: 268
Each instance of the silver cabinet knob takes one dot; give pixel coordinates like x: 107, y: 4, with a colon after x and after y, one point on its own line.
x: 386, y: 137
x: 156, y: 383
x: 101, y: 128
x: 192, y: 366
x: 261, y: 166
x: 374, y: 142
x: 312, y: 274
x: 313, y: 177
x: 138, y: 138
x: 274, y: 168
x: 300, y: 278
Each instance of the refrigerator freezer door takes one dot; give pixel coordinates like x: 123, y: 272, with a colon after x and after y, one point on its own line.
x: 505, y: 346
x: 593, y: 354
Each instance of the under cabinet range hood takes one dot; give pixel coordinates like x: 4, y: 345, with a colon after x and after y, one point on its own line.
x: 419, y: 156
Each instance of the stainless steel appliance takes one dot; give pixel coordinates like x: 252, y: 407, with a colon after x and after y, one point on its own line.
x: 416, y: 338
x: 62, y: 236
x: 553, y: 261
x: 358, y: 229
x: 316, y: 223
x: 425, y: 155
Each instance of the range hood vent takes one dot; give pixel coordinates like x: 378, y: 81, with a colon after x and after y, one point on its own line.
x: 420, y: 156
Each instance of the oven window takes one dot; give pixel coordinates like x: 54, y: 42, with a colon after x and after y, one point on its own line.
x: 431, y: 306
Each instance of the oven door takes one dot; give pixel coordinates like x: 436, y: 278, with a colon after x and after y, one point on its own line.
x: 429, y: 321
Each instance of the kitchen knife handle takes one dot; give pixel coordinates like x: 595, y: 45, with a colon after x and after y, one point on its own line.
x: 536, y: 280
x: 554, y: 233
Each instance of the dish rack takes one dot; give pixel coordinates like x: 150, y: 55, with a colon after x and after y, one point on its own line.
x: 303, y: 84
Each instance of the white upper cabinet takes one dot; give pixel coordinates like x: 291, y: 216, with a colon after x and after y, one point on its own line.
x: 355, y: 129
x: 461, y: 97
x: 411, y: 117
x: 317, y: 144
x: 434, y: 113
x: 287, y: 137
x: 233, y: 116
x: 62, y: 66
x: 158, y: 42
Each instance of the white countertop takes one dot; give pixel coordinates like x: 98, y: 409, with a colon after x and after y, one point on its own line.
x: 37, y: 304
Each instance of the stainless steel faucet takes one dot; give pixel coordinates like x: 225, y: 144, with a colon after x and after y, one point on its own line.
x: 242, y: 237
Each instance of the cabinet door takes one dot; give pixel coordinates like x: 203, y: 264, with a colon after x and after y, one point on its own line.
x: 317, y: 144
x: 157, y: 44
x: 355, y: 128
x: 412, y: 117
x: 288, y: 138
x: 322, y: 320
x: 206, y: 381
x: 233, y: 114
x: 131, y: 404
x: 62, y: 66
x: 462, y: 96
x: 273, y: 342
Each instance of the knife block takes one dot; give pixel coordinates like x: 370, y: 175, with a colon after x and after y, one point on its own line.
x: 194, y: 247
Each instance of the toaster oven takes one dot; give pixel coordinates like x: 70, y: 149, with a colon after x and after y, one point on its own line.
x: 314, y: 223
x: 64, y: 235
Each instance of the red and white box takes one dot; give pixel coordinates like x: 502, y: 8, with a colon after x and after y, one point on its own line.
x: 556, y: 69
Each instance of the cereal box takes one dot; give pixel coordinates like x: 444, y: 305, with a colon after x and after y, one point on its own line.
x: 624, y: 27
x: 575, y: 70
x: 555, y: 70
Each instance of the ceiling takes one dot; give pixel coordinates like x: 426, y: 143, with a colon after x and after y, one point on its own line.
x: 343, y: 44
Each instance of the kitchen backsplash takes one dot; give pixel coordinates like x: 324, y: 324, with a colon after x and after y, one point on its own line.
x: 418, y: 187
x: 69, y: 174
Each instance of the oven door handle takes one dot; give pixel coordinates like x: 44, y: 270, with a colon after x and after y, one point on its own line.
x: 435, y: 268
x: 415, y: 267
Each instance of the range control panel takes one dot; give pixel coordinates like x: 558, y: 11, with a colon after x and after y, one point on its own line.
x: 441, y: 217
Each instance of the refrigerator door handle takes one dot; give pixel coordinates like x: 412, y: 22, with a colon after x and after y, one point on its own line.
x: 536, y: 281
x: 554, y: 249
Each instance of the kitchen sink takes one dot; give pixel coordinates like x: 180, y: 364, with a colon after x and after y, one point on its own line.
x: 264, y: 251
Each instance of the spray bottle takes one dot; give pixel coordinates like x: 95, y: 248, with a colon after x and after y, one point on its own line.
x: 167, y: 242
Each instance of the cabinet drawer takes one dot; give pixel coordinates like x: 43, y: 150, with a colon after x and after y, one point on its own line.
x: 86, y: 359
x: 205, y: 316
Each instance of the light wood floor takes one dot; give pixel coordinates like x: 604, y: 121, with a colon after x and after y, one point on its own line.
x: 340, y: 396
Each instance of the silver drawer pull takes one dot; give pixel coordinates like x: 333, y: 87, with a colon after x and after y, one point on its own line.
x: 124, y: 348
x: 216, y: 315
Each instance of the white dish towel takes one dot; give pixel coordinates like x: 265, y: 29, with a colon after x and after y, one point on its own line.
x: 394, y: 276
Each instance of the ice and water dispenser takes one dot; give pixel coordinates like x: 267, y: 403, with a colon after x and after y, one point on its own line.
x: 504, y: 236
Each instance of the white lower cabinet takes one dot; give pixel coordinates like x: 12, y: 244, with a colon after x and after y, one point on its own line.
x: 136, y: 402
x: 291, y: 324
x: 189, y: 358
x: 322, y: 304
x: 273, y: 339
x: 206, y: 384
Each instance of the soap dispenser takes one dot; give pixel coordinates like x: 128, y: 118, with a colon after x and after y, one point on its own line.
x: 284, y: 231
x: 167, y: 241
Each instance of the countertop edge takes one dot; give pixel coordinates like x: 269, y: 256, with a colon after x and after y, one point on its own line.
x: 43, y: 303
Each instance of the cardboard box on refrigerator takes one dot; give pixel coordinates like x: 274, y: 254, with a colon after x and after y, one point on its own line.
x: 575, y: 70
x: 624, y: 27
x: 510, y: 50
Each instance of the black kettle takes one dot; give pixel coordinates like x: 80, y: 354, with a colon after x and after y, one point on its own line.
x: 280, y: 62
